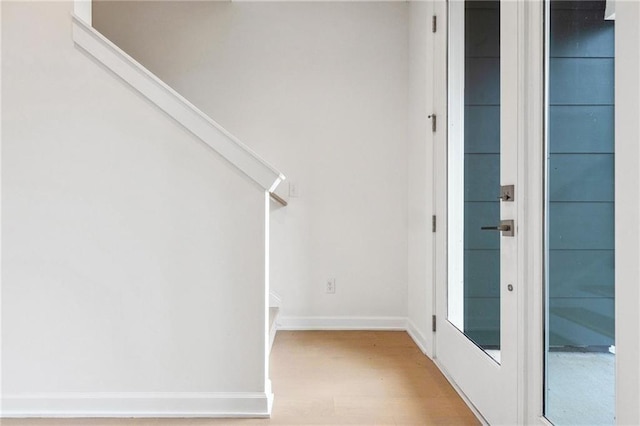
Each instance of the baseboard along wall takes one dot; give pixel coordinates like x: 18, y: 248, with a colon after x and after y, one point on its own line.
x: 138, y: 404
x: 341, y: 323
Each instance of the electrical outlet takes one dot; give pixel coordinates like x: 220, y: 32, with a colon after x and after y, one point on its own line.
x: 331, y: 286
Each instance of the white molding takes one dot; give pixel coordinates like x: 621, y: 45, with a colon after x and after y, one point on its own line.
x: 627, y: 211
x: 83, y: 10
x: 418, y: 338
x: 265, y: 300
x: 455, y: 160
x: 531, y: 301
x: 342, y: 323
x: 138, y: 404
x: 176, y: 106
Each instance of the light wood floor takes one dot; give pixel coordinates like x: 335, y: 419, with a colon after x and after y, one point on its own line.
x: 337, y: 377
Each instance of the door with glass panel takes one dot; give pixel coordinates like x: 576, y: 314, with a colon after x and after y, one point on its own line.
x: 579, y: 204
x: 476, y: 342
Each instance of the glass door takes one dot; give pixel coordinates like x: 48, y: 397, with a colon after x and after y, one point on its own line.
x: 580, y: 300
x: 542, y: 325
x: 477, y: 342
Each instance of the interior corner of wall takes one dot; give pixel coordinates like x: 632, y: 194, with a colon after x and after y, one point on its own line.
x: 422, y: 340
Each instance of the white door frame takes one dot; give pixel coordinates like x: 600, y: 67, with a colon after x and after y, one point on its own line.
x: 627, y: 211
x: 531, y: 85
x: 531, y: 368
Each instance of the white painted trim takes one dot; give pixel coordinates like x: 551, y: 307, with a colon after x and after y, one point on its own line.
x: 356, y: 323
x: 176, y: 106
x: 83, y: 10
x: 439, y: 165
x: 455, y: 164
x: 418, y: 338
x: 531, y: 309
x: 267, y: 323
x: 342, y: 323
x: 1, y: 210
x: 627, y: 211
x: 137, y: 404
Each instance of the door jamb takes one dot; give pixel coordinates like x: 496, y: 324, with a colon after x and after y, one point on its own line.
x: 532, y: 170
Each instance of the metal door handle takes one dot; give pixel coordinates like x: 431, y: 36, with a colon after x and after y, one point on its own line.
x: 501, y: 228
x: 506, y: 227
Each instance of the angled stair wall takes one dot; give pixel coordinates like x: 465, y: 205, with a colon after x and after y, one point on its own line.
x: 128, y: 244
x: 176, y: 106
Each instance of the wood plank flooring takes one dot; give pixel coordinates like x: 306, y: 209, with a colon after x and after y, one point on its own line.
x: 336, y: 378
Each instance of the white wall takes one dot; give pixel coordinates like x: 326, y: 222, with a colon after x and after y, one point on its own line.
x: 420, y: 178
x: 320, y: 90
x: 133, y: 256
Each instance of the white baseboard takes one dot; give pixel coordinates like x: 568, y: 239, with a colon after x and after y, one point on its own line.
x: 138, y: 404
x: 418, y: 338
x: 341, y: 323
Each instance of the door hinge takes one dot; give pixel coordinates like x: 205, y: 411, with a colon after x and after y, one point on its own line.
x: 434, y: 24
x: 433, y: 122
x: 433, y: 223
x: 433, y: 323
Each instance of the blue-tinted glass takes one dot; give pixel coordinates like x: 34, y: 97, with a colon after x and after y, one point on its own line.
x: 482, y: 173
x: 580, y: 215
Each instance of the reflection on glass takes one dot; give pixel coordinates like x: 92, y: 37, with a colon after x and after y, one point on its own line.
x: 580, y: 343
x: 474, y: 176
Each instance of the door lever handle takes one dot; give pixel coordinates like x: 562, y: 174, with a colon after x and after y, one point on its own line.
x: 501, y: 228
x: 506, y: 227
